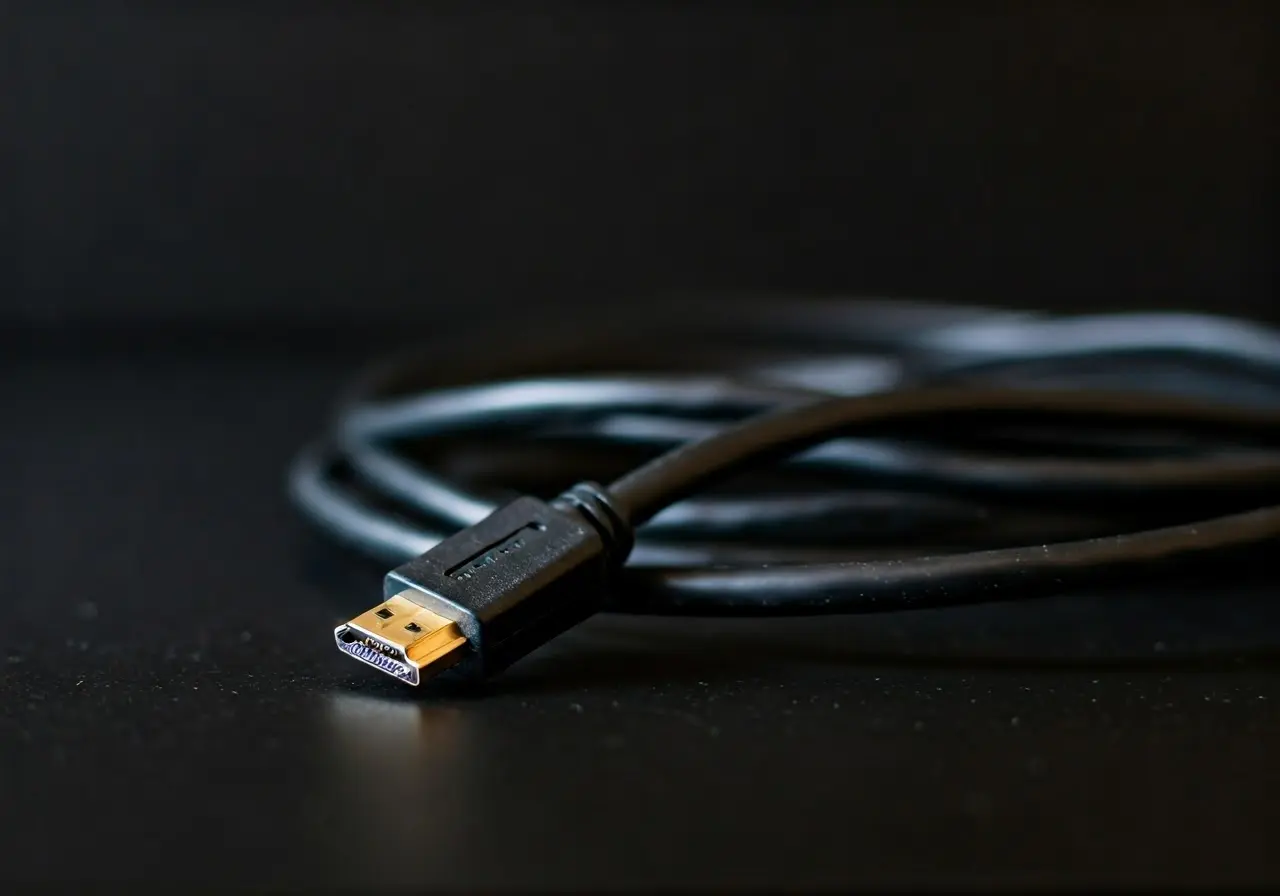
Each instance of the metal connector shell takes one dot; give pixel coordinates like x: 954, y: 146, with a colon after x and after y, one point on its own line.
x: 403, y: 639
x: 490, y: 594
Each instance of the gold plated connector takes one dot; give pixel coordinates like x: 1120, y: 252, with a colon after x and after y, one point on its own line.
x: 403, y: 639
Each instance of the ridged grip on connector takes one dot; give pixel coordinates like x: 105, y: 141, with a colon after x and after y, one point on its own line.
x: 591, y: 500
x: 515, y: 579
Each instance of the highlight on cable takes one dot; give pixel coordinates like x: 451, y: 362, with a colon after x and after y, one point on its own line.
x: 787, y: 457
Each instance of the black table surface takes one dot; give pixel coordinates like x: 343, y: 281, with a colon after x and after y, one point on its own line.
x: 172, y: 709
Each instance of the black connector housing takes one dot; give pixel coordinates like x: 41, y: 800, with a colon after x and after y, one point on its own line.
x: 514, y: 580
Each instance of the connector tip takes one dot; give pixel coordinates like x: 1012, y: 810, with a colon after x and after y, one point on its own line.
x: 402, y: 639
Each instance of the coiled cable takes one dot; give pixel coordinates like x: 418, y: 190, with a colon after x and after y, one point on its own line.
x: 814, y: 456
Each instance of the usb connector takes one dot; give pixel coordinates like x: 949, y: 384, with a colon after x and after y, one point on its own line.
x: 490, y: 594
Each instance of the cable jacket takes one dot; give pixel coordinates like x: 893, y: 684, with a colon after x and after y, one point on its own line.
x: 832, y: 456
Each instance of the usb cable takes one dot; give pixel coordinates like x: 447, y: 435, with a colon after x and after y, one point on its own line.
x: 789, y: 457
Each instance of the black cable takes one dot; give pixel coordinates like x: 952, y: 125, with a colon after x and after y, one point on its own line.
x: 862, y: 456
x: 768, y: 437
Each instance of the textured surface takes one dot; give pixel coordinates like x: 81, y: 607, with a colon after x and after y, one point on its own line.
x: 170, y: 694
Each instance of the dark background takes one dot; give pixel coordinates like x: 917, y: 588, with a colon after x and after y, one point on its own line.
x: 319, y: 161
x: 211, y: 214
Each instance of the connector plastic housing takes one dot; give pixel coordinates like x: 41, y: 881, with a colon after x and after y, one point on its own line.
x: 511, y: 582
